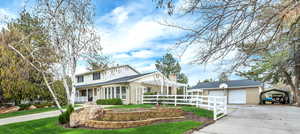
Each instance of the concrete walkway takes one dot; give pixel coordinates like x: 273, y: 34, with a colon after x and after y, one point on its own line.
x: 257, y: 120
x: 36, y: 116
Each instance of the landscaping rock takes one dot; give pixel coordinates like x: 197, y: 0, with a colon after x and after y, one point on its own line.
x: 81, y: 116
x: 31, y: 107
x: 9, y: 109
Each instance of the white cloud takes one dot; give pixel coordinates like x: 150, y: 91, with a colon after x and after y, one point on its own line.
x: 121, y: 56
x: 143, y: 54
x: 118, y: 16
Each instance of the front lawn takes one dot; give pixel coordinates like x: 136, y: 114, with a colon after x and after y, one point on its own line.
x: 198, y: 111
x: 26, y: 112
x: 49, y: 126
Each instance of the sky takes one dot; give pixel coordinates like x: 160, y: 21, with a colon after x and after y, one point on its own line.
x: 131, y: 34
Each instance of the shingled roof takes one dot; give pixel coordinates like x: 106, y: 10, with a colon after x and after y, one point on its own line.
x: 114, y: 81
x: 231, y: 84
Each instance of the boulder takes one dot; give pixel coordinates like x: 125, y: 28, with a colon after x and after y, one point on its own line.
x: 80, y: 116
x: 9, y: 109
x: 31, y: 107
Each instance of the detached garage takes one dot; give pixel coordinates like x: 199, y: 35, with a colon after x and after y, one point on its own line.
x: 237, y: 91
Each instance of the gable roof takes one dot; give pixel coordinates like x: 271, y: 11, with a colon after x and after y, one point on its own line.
x: 230, y: 84
x: 100, y: 70
x: 114, y: 81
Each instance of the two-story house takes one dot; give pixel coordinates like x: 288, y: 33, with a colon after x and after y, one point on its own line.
x: 122, y: 82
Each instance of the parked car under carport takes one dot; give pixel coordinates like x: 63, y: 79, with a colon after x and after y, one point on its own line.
x: 281, y: 97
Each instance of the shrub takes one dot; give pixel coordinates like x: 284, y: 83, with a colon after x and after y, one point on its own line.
x: 24, y: 106
x: 150, y: 93
x: 109, y: 102
x: 44, y: 105
x: 65, y: 116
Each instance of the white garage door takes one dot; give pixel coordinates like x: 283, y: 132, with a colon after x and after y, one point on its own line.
x: 216, y: 93
x: 237, y: 97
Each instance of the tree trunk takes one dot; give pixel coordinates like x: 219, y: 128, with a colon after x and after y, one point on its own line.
x: 291, y: 84
x: 297, y: 68
x: 66, y: 83
x: 73, y: 77
x: 52, y: 93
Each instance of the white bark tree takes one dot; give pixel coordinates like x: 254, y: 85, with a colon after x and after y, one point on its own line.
x: 72, y: 34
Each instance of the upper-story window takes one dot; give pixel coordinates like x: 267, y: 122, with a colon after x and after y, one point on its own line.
x: 96, y: 76
x: 80, y: 79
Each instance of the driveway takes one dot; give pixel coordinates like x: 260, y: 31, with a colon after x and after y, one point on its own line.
x: 36, y: 116
x: 269, y: 119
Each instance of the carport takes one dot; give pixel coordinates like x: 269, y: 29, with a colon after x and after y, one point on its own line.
x: 286, y: 95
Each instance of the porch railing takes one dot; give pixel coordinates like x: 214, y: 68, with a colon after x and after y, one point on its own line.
x: 218, y: 104
x: 81, y: 99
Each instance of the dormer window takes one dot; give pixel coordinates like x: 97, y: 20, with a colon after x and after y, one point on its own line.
x: 96, y: 76
x: 80, y: 79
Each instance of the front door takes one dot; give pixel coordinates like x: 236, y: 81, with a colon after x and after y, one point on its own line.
x: 90, y: 94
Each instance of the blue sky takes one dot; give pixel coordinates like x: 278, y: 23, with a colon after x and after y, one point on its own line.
x: 131, y: 34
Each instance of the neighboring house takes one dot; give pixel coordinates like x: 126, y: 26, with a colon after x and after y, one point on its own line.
x: 122, y: 82
x: 237, y: 91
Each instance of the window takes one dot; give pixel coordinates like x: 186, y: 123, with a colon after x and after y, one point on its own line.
x: 82, y: 92
x: 124, y: 92
x: 105, y: 93
x: 96, y: 76
x: 80, y: 79
x: 118, y: 92
x: 147, y: 90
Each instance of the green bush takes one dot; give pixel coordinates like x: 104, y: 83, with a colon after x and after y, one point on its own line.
x: 109, y: 102
x: 150, y: 93
x: 24, y: 106
x: 65, y: 116
x: 42, y: 105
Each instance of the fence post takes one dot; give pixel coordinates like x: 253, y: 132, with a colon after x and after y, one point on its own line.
x: 157, y: 99
x: 215, y: 108
x: 197, y: 101
x: 225, y: 105
x: 175, y: 100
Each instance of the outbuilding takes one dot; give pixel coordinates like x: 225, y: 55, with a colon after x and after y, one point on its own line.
x: 237, y: 91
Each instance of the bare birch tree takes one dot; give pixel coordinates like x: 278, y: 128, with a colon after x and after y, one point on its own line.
x: 72, y: 34
x: 219, y: 27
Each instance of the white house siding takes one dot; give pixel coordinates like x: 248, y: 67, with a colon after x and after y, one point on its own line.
x: 108, y: 75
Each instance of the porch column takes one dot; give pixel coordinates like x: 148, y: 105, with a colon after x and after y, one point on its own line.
x: 87, y: 95
x: 115, y: 90
x: 162, y: 86
x: 120, y: 92
x: 167, y: 89
x: 110, y: 88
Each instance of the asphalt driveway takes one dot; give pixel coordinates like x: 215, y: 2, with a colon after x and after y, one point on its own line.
x: 271, y: 119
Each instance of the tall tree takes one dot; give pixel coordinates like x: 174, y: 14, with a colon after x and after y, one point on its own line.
x: 223, y: 77
x: 220, y: 27
x: 73, y: 36
x: 26, y: 38
x: 96, y: 61
x: 169, y: 66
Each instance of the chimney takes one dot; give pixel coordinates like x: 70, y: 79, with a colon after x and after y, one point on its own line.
x: 173, y: 77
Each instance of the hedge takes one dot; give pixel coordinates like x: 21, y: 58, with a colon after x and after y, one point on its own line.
x: 65, y: 116
x: 109, y: 102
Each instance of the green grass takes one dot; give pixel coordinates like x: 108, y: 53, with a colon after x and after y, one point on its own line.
x: 198, y: 111
x: 26, y: 112
x: 49, y: 126
x: 134, y: 106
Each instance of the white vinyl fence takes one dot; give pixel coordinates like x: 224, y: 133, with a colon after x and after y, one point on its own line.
x: 218, y: 104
